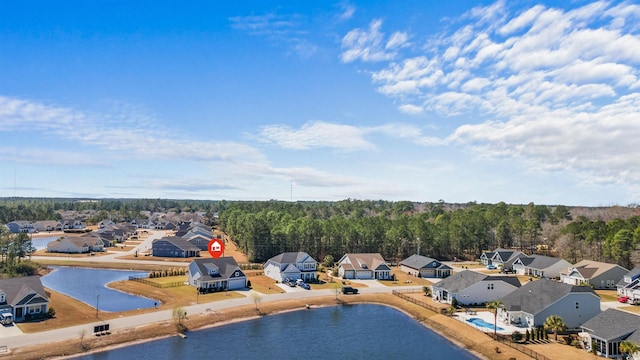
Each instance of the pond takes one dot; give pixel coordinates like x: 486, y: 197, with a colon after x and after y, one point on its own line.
x: 41, y: 243
x: 335, y: 332
x: 89, y: 286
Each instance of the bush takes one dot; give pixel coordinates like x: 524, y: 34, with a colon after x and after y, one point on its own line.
x: 249, y: 283
x: 516, y: 336
x: 51, y: 313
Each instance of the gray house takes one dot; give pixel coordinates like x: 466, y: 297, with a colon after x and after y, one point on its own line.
x: 216, y: 274
x: 530, y: 305
x: 540, y: 266
x: 425, y: 267
x: 23, y: 297
x: 173, y: 246
x: 292, y: 266
x: 603, y: 333
x: 470, y: 287
x: 21, y: 226
x: 600, y: 275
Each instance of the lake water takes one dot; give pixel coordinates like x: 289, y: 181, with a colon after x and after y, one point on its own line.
x: 41, y: 243
x: 89, y: 286
x: 336, y: 332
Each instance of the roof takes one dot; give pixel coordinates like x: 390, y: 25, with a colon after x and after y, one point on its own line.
x: 226, y: 264
x: 613, y: 324
x: 416, y: 261
x: 539, y: 261
x: 536, y: 296
x: 467, y: 278
x: 590, y: 269
x: 364, y: 261
x: 16, y: 289
x: 178, y: 242
x: 291, y: 257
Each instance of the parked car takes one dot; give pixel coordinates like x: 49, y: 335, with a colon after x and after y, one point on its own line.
x: 6, y: 318
x: 304, y: 285
x: 290, y: 282
x: 491, y: 267
x: 349, y: 290
x: 623, y: 299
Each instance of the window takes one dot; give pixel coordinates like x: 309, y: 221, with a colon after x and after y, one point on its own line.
x: 237, y: 273
x: 577, y: 305
x: 490, y: 286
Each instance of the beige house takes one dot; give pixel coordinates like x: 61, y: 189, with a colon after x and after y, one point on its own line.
x: 364, y: 266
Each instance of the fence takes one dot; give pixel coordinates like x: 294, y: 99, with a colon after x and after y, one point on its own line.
x: 502, y: 339
x: 402, y: 294
x: 523, y: 349
x: 156, y: 284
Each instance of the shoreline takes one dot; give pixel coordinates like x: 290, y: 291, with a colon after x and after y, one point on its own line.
x: 74, y: 348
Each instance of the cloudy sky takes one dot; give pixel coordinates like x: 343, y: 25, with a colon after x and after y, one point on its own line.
x: 514, y: 101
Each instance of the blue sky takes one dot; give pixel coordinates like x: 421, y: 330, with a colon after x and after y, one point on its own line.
x: 488, y: 101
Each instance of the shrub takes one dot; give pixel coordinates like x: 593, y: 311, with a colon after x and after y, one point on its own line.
x: 51, y: 313
x: 516, y: 336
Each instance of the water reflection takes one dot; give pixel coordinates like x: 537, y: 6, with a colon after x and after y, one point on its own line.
x: 89, y: 286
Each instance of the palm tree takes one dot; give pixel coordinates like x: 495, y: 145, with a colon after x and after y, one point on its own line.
x: 495, y: 305
x: 556, y: 324
x: 629, y: 348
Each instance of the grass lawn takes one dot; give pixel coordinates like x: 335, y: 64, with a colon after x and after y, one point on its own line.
x: 607, y: 295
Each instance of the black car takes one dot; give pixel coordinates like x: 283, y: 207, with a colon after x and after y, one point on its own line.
x: 349, y: 290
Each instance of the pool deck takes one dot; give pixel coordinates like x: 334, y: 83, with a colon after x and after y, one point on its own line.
x: 487, y: 316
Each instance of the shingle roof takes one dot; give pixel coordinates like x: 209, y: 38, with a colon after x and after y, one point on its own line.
x: 416, y: 261
x: 590, y: 269
x: 612, y: 324
x: 178, y: 242
x: 535, y: 296
x: 16, y: 289
x: 290, y: 257
x: 226, y: 264
x: 539, y: 261
x: 365, y: 261
x: 466, y: 278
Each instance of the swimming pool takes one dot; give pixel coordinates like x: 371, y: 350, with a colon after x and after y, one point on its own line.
x: 481, y: 323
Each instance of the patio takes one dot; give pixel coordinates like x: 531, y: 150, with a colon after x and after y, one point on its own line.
x: 487, y: 317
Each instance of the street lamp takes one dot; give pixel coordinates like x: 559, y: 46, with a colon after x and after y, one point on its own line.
x: 97, y: 303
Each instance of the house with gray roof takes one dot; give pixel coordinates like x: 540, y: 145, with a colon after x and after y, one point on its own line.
x: 363, y: 266
x: 540, y: 266
x: 499, y: 257
x: 23, y: 297
x: 48, y: 225
x: 173, y: 246
x: 530, y: 305
x: 603, y: 333
x: 470, y: 287
x: 21, y: 226
x: 630, y: 286
x: 76, y: 245
x: 291, y: 266
x: 598, y: 274
x: 218, y: 274
x: 425, y: 267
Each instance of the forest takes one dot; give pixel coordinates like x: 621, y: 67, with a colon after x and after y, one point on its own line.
x: 396, y: 230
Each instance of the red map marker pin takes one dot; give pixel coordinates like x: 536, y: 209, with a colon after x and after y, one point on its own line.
x: 216, y: 248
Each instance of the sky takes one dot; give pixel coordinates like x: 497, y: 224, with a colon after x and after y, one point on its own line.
x: 460, y: 101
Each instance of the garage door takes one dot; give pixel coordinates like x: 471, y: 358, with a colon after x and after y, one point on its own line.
x: 237, y: 284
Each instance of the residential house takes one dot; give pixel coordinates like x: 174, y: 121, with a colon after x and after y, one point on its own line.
x: 425, y: 267
x: 48, y: 225
x: 598, y: 274
x: 173, y: 246
x: 21, y: 226
x: 216, y: 274
x: 291, y: 266
x: 603, y: 333
x: 530, y: 305
x: 363, y: 266
x: 73, y: 225
x: 76, y: 245
x: 106, y: 223
x: 471, y: 287
x: 630, y: 285
x: 540, y: 266
x: 24, y: 297
x: 198, y: 240
x: 499, y: 257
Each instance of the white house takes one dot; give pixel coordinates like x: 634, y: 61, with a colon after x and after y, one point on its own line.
x: 530, y: 305
x: 600, y: 275
x: 630, y: 285
x: 76, y: 244
x: 216, y: 274
x: 540, y: 266
x: 470, y: 287
x: 292, y: 266
x: 363, y: 266
x: 425, y: 267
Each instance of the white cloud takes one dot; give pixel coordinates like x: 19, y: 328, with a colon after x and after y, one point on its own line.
x: 367, y: 44
x: 317, y: 134
x: 551, y: 87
